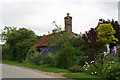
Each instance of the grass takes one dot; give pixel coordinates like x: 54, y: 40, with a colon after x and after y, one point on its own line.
x: 33, y: 66
x: 82, y: 76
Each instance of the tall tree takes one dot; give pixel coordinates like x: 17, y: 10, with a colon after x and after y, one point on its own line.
x: 90, y: 38
x: 19, y: 41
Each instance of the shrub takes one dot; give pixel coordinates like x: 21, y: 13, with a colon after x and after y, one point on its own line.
x: 76, y: 68
x: 111, y: 71
x: 111, y: 67
x: 80, y: 60
x: 66, y: 57
x: 118, y: 52
x: 6, y: 53
x: 90, y: 68
x: 107, y: 67
x: 39, y: 58
x: 47, y: 59
x: 31, y: 54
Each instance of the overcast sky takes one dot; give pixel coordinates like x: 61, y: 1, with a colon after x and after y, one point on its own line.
x: 38, y: 15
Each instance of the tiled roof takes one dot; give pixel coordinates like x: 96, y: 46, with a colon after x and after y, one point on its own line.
x: 43, y: 41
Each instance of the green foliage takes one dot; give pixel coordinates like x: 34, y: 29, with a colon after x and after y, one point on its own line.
x: 19, y: 41
x: 66, y: 57
x: 80, y: 47
x: 51, y: 59
x: 46, y: 59
x: 6, y: 53
x: 107, y: 67
x: 115, y: 25
x: 76, y: 68
x: 118, y: 53
x: 71, y: 46
x: 58, y: 39
x: 111, y: 67
x: 80, y: 60
x: 32, y: 52
x: 91, y: 68
x: 105, y: 33
x: 6, y: 33
x: 111, y: 70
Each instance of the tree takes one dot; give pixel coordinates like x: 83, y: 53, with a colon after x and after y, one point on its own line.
x: 19, y: 41
x: 115, y: 25
x: 106, y: 34
x: 90, y: 38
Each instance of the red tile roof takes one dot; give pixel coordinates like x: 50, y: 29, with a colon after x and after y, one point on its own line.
x: 43, y: 41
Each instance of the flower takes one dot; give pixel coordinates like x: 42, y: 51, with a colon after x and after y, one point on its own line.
x: 109, y: 67
x: 86, y: 62
x: 113, y: 61
x: 92, y: 62
x: 92, y: 73
x: 36, y: 59
x: 86, y: 69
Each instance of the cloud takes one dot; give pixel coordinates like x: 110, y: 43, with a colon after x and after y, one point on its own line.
x: 39, y: 14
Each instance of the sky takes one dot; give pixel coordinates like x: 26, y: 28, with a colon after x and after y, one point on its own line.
x: 38, y: 15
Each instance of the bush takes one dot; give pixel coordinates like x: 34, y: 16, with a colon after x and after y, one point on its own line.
x: 39, y: 58
x: 111, y: 71
x: 19, y: 41
x: 31, y: 54
x: 51, y: 59
x: 6, y: 53
x: 118, y: 52
x: 107, y: 67
x: 80, y: 60
x: 111, y: 67
x: 91, y: 68
x: 66, y: 57
x: 76, y: 68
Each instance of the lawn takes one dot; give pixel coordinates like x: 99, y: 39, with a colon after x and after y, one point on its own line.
x: 33, y: 66
x: 82, y: 76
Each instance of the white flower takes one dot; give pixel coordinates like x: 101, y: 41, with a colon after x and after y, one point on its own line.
x: 92, y: 62
x: 86, y: 62
x: 84, y: 66
x: 92, y: 73
x: 85, y: 69
x: 113, y: 61
x: 95, y: 72
x: 109, y: 67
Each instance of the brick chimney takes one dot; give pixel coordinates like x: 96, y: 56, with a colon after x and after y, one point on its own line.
x: 68, y: 23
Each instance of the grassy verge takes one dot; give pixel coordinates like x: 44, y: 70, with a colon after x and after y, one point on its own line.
x: 82, y: 76
x: 33, y: 66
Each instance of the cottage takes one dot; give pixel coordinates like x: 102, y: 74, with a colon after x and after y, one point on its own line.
x: 43, y: 42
